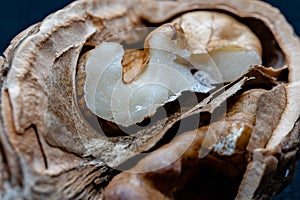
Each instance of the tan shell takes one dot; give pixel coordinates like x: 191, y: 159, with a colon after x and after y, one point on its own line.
x: 49, y: 147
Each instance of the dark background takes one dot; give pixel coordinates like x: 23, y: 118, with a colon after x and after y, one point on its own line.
x: 16, y: 15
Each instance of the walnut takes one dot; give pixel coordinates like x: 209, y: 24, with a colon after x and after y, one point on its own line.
x: 223, y: 104
x: 152, y: 82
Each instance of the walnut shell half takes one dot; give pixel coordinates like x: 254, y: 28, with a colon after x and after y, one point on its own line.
x: 53, y: 147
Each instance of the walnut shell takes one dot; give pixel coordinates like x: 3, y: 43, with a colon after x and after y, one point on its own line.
x: 52, y: 148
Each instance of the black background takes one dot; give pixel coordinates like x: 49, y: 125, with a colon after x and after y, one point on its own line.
x: 16, y: 15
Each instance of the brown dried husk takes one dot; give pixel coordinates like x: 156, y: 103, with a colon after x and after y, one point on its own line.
x: 49, y: 150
